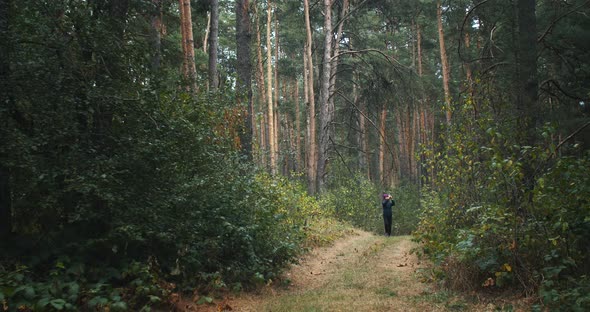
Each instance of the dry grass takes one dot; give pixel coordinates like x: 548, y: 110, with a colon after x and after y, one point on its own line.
x: 361, y: 272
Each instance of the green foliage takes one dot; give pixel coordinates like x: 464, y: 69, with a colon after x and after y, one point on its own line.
x: 563, y: 214
x: 125, y: 188
x: 323, y: 230
x: 67, y: 289
x: 354, y: 200
x: 485, y: 228
x: 407, y: 210
x: 357, y: 201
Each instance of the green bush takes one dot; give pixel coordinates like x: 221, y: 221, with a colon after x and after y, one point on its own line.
x: 168, y: 206
x: 354, y: 200
x: 357, y: 201
x: 485, y: 227
x: 109, y: 162
x: 161, y: 190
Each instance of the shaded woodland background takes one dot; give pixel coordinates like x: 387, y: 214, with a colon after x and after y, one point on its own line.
x: 153, y: 147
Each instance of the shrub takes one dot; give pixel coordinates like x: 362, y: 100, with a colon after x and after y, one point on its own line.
x: 357, y: 201
x: 169, y: 201
x: 486, y: 225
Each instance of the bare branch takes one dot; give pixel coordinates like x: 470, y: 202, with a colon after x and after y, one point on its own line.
x: 368, y: 119
x: 550, y: 27
x: 463, y: 26
x: 569, y: 137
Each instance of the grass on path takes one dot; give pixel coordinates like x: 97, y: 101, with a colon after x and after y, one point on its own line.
x: 362, y: 272
x: 359, y: 272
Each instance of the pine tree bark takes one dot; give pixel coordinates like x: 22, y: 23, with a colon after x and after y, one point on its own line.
x: 365, y: 141
x: 412, y: 145
x: 382, y: 135
x: 213, y: 44
x: 206, y: 38
x: 419, y: 49
x: 444, y: 61
x: 183, y: 38
x: 270, y: 115
x: 336, y: 51
x: 422, y: 126
x: 361, y: 133
x: 262, y: 96
x: 189, y: 67
x: 277, y: 122
x: 244, y: 71
x: 400, y: 156
x: 307, y: 121
x: 468, y: 71
x: 312, y: 145
x: 297, y: 127
x: 416, y: 147
x: 326, y: 112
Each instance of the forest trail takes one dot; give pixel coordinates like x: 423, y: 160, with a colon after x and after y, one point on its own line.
x: 360, y: 272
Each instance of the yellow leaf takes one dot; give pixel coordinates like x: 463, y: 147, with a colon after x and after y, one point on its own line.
x: 507, y: 267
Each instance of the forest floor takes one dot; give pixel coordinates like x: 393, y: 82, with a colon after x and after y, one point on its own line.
x: 359, y: 272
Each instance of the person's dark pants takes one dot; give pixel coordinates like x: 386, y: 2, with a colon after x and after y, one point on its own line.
x: 387, y: 221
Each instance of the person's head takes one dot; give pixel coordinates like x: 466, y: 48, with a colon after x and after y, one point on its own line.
x: 386, y: 196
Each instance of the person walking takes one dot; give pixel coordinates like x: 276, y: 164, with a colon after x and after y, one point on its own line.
x: 387, y: 204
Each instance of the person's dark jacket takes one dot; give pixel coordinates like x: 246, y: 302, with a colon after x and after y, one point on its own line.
x: 387, y: 206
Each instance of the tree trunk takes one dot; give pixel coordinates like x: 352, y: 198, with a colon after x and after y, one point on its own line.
x: 419, y: 48
x: 326, y: 112
x: 206, y: 39
x: 183, y: 38
x: 334, y: 65
x: 422, y: 127
x: 156, y: 36
x: 400, y: 157
x: 297, y: 127
x: 244, y: 71
x: 402, y: 139
x: 444, y: 62
x: 365, y: 141
x: 382, y: 135
x: 261, y: 92
x: 277, y: 122
x: 189, y: 42
x: 360, y: 119
x: 263, y: 139
x: 213, y: 43
x: 414, y: 144
x: 312, y: 145
x: 306, y: 140
x: 189, y: 67
x: 271, y: 117
x: 467, y: 66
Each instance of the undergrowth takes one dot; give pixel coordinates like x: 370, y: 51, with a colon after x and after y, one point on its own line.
x: 485, y: 230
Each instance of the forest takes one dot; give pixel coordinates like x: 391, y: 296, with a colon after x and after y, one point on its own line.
x: 155, y: 147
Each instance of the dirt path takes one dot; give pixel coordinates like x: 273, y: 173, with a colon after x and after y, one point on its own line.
x: 361, y: 272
